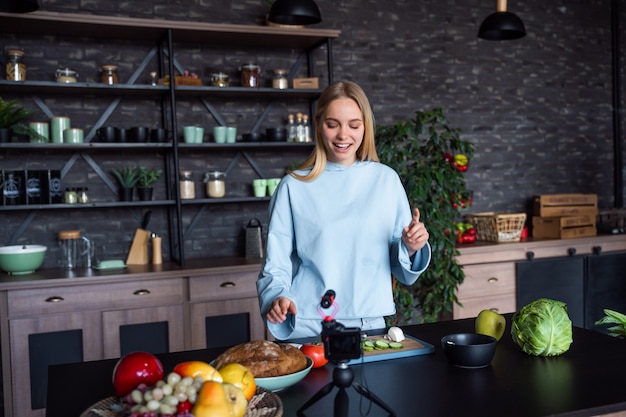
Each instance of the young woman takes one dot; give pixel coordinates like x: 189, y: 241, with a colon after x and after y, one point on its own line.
x: 341, y: 221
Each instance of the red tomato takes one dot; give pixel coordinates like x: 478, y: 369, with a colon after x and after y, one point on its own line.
x: 315, y: 351
x: 134, y: 369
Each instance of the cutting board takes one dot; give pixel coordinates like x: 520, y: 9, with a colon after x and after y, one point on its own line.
x: 411, y: 347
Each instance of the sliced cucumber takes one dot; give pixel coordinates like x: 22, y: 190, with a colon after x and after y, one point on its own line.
x: 396, y: 345
x: 381, y: 344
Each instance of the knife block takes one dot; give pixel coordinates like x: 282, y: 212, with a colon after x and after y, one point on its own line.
x: 138, y: 254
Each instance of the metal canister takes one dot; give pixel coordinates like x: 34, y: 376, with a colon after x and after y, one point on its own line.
x: 250, y: 75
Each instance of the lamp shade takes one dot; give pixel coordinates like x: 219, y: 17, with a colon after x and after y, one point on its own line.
x: 18, y: 6
x: 295, y: 12
x: 502, y: 26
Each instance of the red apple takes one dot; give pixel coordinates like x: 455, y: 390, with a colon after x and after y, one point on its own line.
x: 134, y: 369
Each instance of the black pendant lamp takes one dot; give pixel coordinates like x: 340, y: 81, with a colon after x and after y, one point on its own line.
x: 18, y: 6
x: 294, y: 12
x: 502, y: 25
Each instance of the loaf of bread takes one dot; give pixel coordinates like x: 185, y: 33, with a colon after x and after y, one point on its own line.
x: 264, y: 358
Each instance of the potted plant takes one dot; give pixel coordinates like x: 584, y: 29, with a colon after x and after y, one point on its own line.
x: 145, y: 179
x: 127, y: 178
x: 11, y: 116
x: 422, y: 149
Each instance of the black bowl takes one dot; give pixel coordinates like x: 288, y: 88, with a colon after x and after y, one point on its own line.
x: 276, y: 134
x: 469, y: 350
x: 253, y: 137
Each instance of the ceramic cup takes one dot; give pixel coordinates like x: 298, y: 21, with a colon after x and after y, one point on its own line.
x: 272, y: 183
x: 189, y: 134
x: 59, y: 124
x: 73, y: 135
x: 219, y: 134
x: 259, y: 187
x: 158, y: 135
x: 231, y: 134
x: 139, y: 134
x: 106, y: 134
x: 121, y: 135
x: 40, y: 132
x: 199, y: 134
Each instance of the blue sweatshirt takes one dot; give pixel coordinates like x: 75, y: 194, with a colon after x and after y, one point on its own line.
x: 341, y: 231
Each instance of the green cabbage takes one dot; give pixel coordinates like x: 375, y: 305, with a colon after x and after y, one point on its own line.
x: 542, y: 328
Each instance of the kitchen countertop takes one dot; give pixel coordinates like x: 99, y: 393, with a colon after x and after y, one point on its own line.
x: 588, y: 380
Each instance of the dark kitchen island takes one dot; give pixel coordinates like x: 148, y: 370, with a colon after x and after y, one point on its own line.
x: 588, y: 380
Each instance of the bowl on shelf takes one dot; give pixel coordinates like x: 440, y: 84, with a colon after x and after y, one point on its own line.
x: 253, y: 137
x: 469, y: 350
x: 21, y: 259
x: 278, y: 383
x: 276, y: 134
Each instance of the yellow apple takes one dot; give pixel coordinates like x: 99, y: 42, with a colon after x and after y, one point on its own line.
x: 217, y: 399
x: 239, y: 376
x: 490, y: 323
x: 198, y: 368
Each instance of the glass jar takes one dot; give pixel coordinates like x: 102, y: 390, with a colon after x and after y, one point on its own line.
x: 280, y: 79
x: 187, y: 187
x: 215, y: 185
x: 70, y: 196
x: 15, y: 68
x: 250, y: 75
x: 66, y: 75
x: 109, y: 74
x: 219, y: 80
x: 82, y: 195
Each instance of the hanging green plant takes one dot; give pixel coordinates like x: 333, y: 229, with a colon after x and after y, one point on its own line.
x: 423, y: 151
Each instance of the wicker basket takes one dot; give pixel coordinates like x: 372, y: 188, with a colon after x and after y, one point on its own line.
x: 498, y: 227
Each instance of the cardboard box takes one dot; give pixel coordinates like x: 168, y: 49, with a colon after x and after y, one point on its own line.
x: 567, y: 227
x: 306, y: 83
x: 558, y: 205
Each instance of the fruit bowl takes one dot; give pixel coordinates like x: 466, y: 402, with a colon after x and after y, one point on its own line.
x: 278, y: 383
x: 469, y: 350
x: 21, y: 259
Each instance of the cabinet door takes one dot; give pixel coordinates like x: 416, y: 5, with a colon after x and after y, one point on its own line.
x: 605, y: 287
x: 489, y: 286
x: 225, y: 323
x: 39, y: 342
x: 154, y: 330
x: 559, y: 279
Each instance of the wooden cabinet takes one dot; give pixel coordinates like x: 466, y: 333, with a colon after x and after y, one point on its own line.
x: 224, y: 310
x: 490, y: 269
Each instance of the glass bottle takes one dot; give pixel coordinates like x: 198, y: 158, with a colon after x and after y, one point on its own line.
x: 187, y: 187
x: 306, y: 129
x: 15, y: 68
x: 109, y: 74
x: 215, y: 185
x: 292, y: 130
x: 299, y: 128
x: 280, y: 79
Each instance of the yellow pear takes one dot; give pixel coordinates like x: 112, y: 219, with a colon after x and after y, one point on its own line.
x: 219, y: 400
x: 490, y: 323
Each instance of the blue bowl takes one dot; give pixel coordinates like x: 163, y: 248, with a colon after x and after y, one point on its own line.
x: 278, y: 383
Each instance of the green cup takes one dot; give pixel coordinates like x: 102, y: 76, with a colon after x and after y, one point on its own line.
x: 219, y: 134
x: 272, y: 183
x: 40, y: 132
x: 189, y: 134
x: 231, y: 134
x: 58, y: 125
x: 259, y: 186
x: 73, y: 135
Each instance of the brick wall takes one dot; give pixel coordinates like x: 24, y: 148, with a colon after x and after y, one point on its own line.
x: 538, y: 109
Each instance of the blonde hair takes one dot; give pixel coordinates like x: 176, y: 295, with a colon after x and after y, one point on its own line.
x: 316, y: 161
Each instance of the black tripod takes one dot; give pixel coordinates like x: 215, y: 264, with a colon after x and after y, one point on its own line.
x: 342, y: 379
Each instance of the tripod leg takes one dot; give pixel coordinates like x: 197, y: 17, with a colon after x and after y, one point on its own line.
x: 370, y: 395
x: 325, y: 390
x: 342, y: 403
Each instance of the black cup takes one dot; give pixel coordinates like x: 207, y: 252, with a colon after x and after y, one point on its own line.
x: 121, y: 134
x: 158, y: 135
x: 106, y: 134
x: 139, y: 134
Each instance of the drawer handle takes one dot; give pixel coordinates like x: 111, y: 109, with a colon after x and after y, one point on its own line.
x: 494, y: 309
x: 54, y: 299
x: 142, y: 292
x: 492, y: 280
x: 228, y: 284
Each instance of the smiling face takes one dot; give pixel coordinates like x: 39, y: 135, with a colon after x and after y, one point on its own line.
x: 342, y: 131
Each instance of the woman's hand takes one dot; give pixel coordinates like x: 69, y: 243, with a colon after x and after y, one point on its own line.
x: 281, y: 306
x: 415, y: 234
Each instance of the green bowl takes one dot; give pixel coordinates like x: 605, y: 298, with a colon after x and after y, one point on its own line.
x: 278, y: 383
x: 21, y: 259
